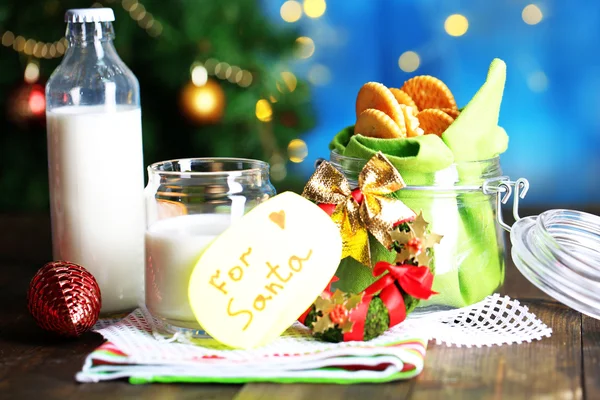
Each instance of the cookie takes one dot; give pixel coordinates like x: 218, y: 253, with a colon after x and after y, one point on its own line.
x: 412, y: 123
x: 376, y: 123
x: 429, y: 92
x: 403, y: 98
x: 453, y: 112
x: 377, y: 96
x: 434, y: 121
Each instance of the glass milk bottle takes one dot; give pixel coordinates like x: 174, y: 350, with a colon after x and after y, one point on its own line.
x: 95, y: 160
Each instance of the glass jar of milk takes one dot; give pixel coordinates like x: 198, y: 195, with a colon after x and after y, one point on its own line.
x: 95, y: 161
x: 190, y: 202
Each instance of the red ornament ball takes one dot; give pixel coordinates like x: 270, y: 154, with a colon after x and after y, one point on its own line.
x: 64, y: 298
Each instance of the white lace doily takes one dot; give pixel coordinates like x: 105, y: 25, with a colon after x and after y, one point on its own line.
x: 496, y: 320
x: 137, y: 350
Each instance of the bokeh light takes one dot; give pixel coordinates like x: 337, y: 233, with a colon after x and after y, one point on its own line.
x: 297, y: 150
x: 291, y: 11
x: 32, y: 72
x: 8, y: 38
x: 278, y: 168
x: 289, y: 82
x: 245, y: 79
x: 37, y: 102
x: 532, y: 14
x: 19, y: 43
x: 199, y: 75
x: 409, y: 61
x: 305, y: 47
x: 264, y: 112
x: 456, y: 25
x: 314, y: 8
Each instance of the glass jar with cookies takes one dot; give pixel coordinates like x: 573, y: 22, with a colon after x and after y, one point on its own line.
x: 449, y: 160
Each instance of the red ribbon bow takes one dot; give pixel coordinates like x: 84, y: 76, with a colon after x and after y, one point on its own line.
x: 414, y: 280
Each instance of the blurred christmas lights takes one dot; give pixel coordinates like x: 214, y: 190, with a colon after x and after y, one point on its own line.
x: 289, y: 82
x: 291, y: 11
x: 32, y: 72
x: 263, y: 110
x: 297, y: 150
x: 220, y: 69
x: 314, y: 8
x: 305, y: 47
x: 532, y: 14
x: 456, y: 25
x: 409, y: 61
x: 39, y: 49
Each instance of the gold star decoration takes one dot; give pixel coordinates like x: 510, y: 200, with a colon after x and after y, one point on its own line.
x: 416, y: 242
x: 335, y: 311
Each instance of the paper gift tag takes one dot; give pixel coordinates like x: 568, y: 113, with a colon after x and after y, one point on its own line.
x: 263, y: 272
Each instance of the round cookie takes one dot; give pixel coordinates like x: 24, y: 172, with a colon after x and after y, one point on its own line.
x: 453, y: 112
x: 412, y: 123
x: 403, y: 98
x: 429, y: 92
x: 377, y: 96
x: 376, y: 123
x: 434, y: 121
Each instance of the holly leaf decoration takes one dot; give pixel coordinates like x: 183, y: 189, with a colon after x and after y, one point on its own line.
x: 353, y: 301
x: 323, y: 323
x: 419, y: 226
x: 323, y: 305
x: 401, y: 237
x: 416, y: 242
x: 423, y: 259
x: 338, y: 297
x: 431, y: 239
x: 347, y: 326
x: 335, y: 311
x: 404, y: 255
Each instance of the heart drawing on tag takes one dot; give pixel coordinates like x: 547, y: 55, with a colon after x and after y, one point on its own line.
x: 278, y: 218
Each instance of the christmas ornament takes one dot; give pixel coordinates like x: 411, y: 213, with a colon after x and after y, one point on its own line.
x: 64, y: 298
x: 203, y: 104
x: 335, y: 310
x: 27, y: 105
x: 340, y: 316
x: 415, y: 281
x: 414, y: 241
x: 367, y: 209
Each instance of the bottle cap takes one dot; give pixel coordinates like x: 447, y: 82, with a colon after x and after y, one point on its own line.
x: 90, y: 15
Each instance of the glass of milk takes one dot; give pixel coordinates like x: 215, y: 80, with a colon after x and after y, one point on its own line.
x: 189, y: 202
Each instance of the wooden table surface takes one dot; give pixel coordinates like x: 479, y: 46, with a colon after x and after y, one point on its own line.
x: 33, y: 364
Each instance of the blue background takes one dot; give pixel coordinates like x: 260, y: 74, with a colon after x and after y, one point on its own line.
x: 554, y: 130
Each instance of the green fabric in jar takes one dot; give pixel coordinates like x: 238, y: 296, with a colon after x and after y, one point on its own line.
x: 469, y: 263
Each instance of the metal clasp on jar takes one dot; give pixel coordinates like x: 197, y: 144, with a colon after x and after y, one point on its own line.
x: 503, y: 187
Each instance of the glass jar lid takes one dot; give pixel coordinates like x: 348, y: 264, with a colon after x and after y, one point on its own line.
x: 559, y: 252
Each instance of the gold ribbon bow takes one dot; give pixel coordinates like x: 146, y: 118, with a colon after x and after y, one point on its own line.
x: 377, y: 213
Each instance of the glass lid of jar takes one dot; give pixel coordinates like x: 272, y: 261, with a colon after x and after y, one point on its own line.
x: 558, y: 251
